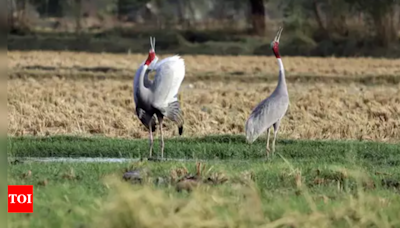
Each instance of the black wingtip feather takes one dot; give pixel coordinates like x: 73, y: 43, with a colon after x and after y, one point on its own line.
x: 180, y: 129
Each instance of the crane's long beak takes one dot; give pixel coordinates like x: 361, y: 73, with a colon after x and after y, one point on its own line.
x: 153, y: 43
x: 278, y: 34
x: 152, y: 53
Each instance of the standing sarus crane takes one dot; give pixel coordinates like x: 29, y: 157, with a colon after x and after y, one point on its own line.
x: 158, y: 97
x: 269, y: 112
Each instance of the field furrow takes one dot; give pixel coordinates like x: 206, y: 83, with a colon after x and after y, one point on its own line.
x: 201, y: 64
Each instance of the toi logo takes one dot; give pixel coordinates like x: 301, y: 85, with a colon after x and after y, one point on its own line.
x: 20, y: 198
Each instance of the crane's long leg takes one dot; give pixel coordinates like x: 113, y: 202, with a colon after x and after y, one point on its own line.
x: 268, y: 133
x: 276, y: 129
x: 160, y: 121
x: 150, y: 141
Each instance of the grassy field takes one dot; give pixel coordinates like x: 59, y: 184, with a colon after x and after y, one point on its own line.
x: 336, y: 165
x: 211, y: 147
x: 307, y: 184
x: 56, y: 93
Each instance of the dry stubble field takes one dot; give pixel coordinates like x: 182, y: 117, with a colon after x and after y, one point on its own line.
x: 53, y: 93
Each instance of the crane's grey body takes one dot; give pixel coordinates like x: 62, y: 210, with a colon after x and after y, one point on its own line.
x: 269, y: 112
x: 147, y: 112
x: 144, y: 110
x: 158, y: 98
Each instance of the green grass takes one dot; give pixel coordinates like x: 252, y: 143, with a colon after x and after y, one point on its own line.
x: 209, y: 147
x: 282, y: 193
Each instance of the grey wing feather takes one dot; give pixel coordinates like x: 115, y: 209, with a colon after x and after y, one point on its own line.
x: 174, y: 113
x: 170, y: 73
x: 146, y: 119
x: 268, y: 112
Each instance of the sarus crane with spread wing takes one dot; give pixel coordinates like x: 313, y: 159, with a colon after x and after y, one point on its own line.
x: 269, y: 112
x: 158, y: 98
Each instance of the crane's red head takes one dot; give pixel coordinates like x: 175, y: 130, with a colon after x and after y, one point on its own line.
x: 152, y: 52
x: 275, y: 43
x: 275, y: 48
x: 151, y: 57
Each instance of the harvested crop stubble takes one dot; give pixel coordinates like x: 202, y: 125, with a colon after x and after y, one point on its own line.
x: 198, y: 65
x: 317, y: 110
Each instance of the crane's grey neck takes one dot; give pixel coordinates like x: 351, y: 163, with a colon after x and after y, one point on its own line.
x: 281, y: 87
x: 144, y: 92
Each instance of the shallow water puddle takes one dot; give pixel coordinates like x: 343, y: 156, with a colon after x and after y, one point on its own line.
x: 89, y: 159
x: 81, y: 159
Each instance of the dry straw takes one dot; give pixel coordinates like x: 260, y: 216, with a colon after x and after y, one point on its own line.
x: 238, y: 205
x: 211, y: 105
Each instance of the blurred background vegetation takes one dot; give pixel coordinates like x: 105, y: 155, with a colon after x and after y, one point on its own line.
x: 234, y: 27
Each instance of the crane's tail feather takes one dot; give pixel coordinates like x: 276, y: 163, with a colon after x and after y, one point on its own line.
x: 174, y: 113
x: 180, y: 129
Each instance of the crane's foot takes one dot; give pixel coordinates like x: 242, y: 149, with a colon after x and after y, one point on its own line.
x: 151, y: 151
x: 155, y: 159
x: 268, y: 152
x: 272, y: 154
